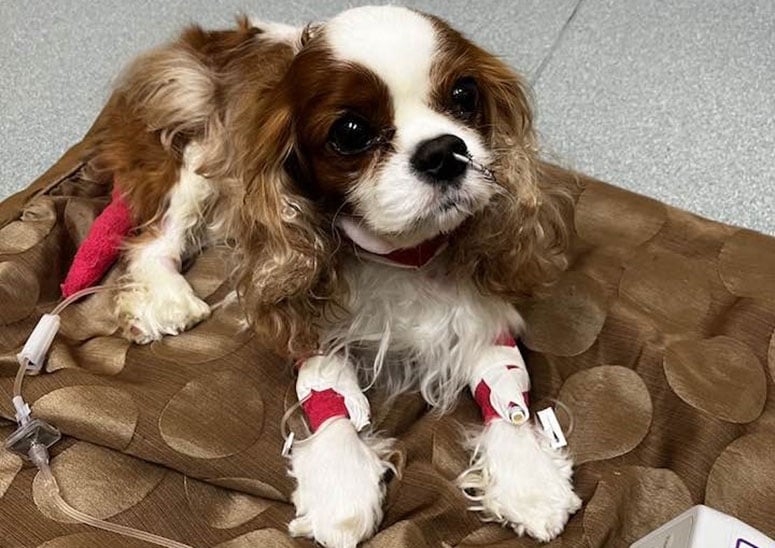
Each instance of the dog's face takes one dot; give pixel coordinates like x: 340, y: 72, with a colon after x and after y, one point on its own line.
x: 374, y: 118
x: 387, y: 104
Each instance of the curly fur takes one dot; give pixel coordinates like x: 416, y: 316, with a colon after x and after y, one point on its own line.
x: 286, y: 270
x: 219, y: 89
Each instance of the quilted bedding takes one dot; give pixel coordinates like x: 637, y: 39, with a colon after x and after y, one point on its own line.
x: 660, y: 338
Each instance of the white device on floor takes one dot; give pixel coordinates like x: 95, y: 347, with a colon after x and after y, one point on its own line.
x: 703, y: 527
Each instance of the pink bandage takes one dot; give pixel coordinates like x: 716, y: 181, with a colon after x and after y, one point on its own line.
x: 323, y: 405
x: 101, y: 247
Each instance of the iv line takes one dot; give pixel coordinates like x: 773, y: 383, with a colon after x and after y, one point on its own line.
x: 33, y: 437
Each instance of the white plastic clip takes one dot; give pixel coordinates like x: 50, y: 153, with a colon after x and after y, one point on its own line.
x: 502, y: 369
x: 288, y: 444
x: 551, y: 427
x: 22, y: 410
x: 33, y: 355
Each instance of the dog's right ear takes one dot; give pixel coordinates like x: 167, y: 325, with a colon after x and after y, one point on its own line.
x: 285, y: 273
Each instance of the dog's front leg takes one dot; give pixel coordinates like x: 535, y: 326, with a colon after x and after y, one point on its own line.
x: 339, y: 472
x: 159, y: 301
x: 516, y: 477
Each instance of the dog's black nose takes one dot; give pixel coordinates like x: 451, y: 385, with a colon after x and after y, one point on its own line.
x: 435, y: 159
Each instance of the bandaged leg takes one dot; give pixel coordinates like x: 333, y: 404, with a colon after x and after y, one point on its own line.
x: 339, y: 490
x: 328, y: 388
x: 515, y: 478
x: 500, y: 384
x: 160, y: 301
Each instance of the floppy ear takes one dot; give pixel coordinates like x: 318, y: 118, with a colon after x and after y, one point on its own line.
x: 515, y: 247
x: 285, y: 273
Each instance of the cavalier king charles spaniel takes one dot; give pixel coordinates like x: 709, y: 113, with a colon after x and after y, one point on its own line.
x: 376, y: 176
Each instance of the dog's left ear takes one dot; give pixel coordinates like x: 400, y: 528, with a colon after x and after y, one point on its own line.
x: 515, y: 247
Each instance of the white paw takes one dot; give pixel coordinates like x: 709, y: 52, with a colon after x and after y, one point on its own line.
x: 167, y: 306
x: 518, y: 480
x: 339, y: 490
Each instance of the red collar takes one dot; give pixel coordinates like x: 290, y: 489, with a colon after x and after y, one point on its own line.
x: 410, y: 257
x: 419, y: 255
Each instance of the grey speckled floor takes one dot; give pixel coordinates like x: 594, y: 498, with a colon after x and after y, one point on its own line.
x: 674, y: 99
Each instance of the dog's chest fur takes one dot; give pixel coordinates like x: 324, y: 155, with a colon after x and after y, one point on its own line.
x: 417, y: 328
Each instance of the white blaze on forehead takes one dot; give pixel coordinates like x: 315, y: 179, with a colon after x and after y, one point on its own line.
x: 399, y: 47
x: 395, y: 43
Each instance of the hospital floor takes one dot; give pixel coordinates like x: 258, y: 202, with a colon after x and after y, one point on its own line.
x: 672, y: 99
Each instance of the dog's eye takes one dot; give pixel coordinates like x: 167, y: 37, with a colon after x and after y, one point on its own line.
x: 351, y: 134
x: 465, y: 97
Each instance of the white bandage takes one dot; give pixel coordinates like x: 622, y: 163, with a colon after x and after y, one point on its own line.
x: 500, y: 377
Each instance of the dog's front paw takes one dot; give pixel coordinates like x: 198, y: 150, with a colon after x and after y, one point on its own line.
x: 518, y: 480
x: 166, y: 306
x: 339, y: 490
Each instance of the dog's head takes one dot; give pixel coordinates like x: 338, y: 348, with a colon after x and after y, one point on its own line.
x: 381, y: 116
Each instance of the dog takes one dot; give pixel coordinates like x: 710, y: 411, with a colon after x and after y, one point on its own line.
x: 377, y: 178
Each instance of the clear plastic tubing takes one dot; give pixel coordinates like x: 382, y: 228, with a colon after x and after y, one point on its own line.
x: 39, y: 454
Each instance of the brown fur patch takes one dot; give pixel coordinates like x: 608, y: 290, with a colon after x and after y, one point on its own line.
x: 285, y: 272
x: 141, y: 167
x: 323, y: 90
x: 174, y: 94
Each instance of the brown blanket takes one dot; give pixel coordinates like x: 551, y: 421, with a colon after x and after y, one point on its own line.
x: 660, y: 339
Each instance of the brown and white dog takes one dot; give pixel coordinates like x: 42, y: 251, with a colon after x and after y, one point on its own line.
x: 377, y: 176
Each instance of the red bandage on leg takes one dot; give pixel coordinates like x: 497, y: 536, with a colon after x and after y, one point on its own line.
x: 323, y: 405
x: 101, y: 247
x: 499, y: 366
x: 505, y: 339
x: 327, y: 387
x: 482, y: 398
